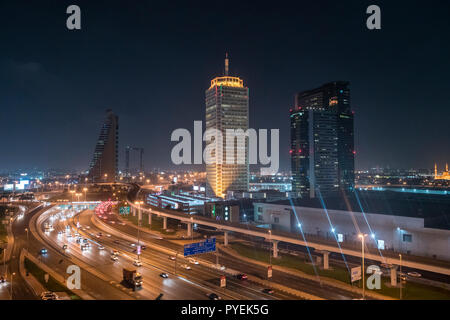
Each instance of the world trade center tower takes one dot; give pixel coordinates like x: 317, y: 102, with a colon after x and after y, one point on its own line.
x: 227, y: 108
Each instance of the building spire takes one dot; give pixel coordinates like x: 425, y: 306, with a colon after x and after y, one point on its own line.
x: 435, y: 170
x: 446, y: 167
x: 226, y: 64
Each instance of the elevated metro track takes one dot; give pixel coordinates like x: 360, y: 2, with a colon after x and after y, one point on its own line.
x: 279, y: 236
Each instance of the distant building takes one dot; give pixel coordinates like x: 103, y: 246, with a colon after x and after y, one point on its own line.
x: 104, y: 165
x: 223, y: 210
x: 189, y: 203
x: 399, y: 222
x: 444, y: 176
x: 322, y: 141
x: 227, y: 108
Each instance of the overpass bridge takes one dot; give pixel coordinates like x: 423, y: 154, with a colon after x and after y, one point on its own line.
x: 274, y: 237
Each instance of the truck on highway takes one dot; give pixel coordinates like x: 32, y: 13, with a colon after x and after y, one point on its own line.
x: 132, y: 279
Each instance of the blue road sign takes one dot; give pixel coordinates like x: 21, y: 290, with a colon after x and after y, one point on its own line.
x: 209, y: 245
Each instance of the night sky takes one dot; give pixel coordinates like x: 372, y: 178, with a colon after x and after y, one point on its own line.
x: 152, y: 63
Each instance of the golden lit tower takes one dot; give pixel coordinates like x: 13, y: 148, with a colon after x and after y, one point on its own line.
x: 227, y: 108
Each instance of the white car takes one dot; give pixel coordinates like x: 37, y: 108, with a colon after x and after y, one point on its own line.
x: 193, y: 261
x: 108, y: 235
x: 101, y: 248
x: 114, y: 257
x: 137, y: 263
x: 185, y: 266
x: 414, y: 274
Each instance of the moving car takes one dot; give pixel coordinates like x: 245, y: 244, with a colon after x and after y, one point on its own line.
x: 115, y: 252
x: 64, y: 247
x: 43, y: 251
x: 137, y: 263
x: 116, y: 241
x: 101, y: 248
x: 143, y: 247
x: 114, y: 257
x: 193, y: 261
x: 48, y: 295
x: 185, y: 266
x: 414, y: 274
x: 213, y: 296
x: 242, y: 276
x: 163, y: 275
x: 2, y: 280
x: 268, y: 291
x: 172, y: 258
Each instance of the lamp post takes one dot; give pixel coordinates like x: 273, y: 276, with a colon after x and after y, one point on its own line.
x: 401, y: 280
x: 362, y: 236
x: 138, y: 203
x: 270, y: 247
x: 192, y: 229
x: 26, y: 229
x: 12, y: 275
x: 85, y: 190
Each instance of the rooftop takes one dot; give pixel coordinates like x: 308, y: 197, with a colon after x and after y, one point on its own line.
x: 434, y: 209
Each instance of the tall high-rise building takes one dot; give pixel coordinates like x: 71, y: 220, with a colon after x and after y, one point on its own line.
x: 322, y: 141
x: 227, y: 108
x: 104, y: 165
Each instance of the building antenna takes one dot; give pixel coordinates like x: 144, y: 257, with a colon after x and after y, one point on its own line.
x: 226, y: 64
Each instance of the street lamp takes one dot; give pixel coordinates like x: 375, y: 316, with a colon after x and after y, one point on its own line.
x: 12, y: 275
x: 85, y: 190
x: 26, y: 229
x: 192, y: 229
x: 401, y: 280
x: 362, y: 236
x: 270, y: 247
x: 138, y: 249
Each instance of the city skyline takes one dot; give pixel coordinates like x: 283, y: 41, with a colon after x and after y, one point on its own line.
x: 263, y: 154
x: 389, y: 126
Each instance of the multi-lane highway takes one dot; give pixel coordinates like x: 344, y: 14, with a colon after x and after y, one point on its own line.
x: 129, y: 232
x: 194, y: 284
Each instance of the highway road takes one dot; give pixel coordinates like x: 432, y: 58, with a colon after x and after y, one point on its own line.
x: 20, y: 288
x: 192, y: 284
x: 305, y: 285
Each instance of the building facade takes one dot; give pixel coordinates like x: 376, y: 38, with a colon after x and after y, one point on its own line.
x: 104, y: 165
x: 385, y: 232
x: 322, y: 141
x: 227, y: 109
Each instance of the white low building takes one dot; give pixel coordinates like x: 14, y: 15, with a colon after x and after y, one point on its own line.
x: 387, y: 232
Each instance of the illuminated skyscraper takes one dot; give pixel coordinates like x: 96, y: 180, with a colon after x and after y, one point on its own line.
x: 322, y: 141
x: 103, y: 167
x: 227, y: 108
